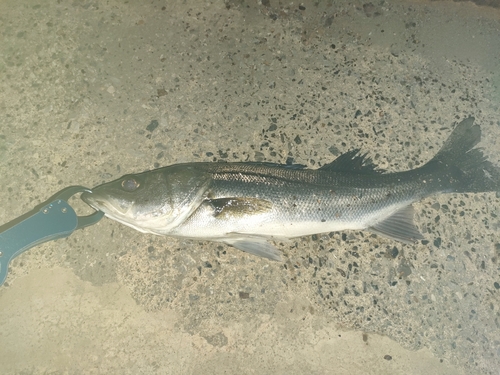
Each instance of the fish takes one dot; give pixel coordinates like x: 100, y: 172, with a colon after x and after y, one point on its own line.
x: 250, y: 204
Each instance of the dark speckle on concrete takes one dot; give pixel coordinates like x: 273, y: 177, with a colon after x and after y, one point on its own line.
x: 152, y: 125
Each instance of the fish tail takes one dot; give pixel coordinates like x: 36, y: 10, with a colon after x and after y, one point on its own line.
x: 466, y: 169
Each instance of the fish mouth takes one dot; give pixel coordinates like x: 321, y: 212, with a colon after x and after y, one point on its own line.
x: 88, y: 198
x: 111, y: 210
x: 111, y: 206
x: 96, y: 202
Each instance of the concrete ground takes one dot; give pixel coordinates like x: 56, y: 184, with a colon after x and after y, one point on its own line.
x: 91, y: 90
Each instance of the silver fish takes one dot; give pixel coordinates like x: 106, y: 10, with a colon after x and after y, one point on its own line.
x: 247, y: 204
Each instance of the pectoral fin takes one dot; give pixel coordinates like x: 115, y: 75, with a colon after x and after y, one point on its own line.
x: 239, y: 206
x: 256, y: 246
x: 399, y: 226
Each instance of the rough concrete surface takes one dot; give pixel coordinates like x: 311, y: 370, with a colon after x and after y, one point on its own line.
x: 91, y: 90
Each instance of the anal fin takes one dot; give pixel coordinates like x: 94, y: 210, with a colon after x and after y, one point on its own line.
x: 399, y: 226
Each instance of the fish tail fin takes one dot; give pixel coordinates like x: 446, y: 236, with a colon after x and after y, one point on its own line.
x: 466, y: 169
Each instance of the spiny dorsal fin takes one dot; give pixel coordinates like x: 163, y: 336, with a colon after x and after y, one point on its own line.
x: 353, y: 161
x: 269, y: 164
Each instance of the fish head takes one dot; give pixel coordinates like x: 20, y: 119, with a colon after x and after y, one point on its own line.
x: 151, y: 202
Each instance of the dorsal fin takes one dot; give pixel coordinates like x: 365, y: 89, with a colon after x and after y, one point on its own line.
x: 353, y: 161
x: 270, y: 164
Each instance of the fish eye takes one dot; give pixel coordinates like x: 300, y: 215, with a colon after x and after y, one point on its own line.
x: 130, y: 184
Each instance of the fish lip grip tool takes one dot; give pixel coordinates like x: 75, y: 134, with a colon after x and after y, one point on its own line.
x: 51, y: 220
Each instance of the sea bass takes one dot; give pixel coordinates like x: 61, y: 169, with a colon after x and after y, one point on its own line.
x: 247, y: 204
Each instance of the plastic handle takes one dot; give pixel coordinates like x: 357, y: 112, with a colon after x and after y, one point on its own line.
x: 54, y: 220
